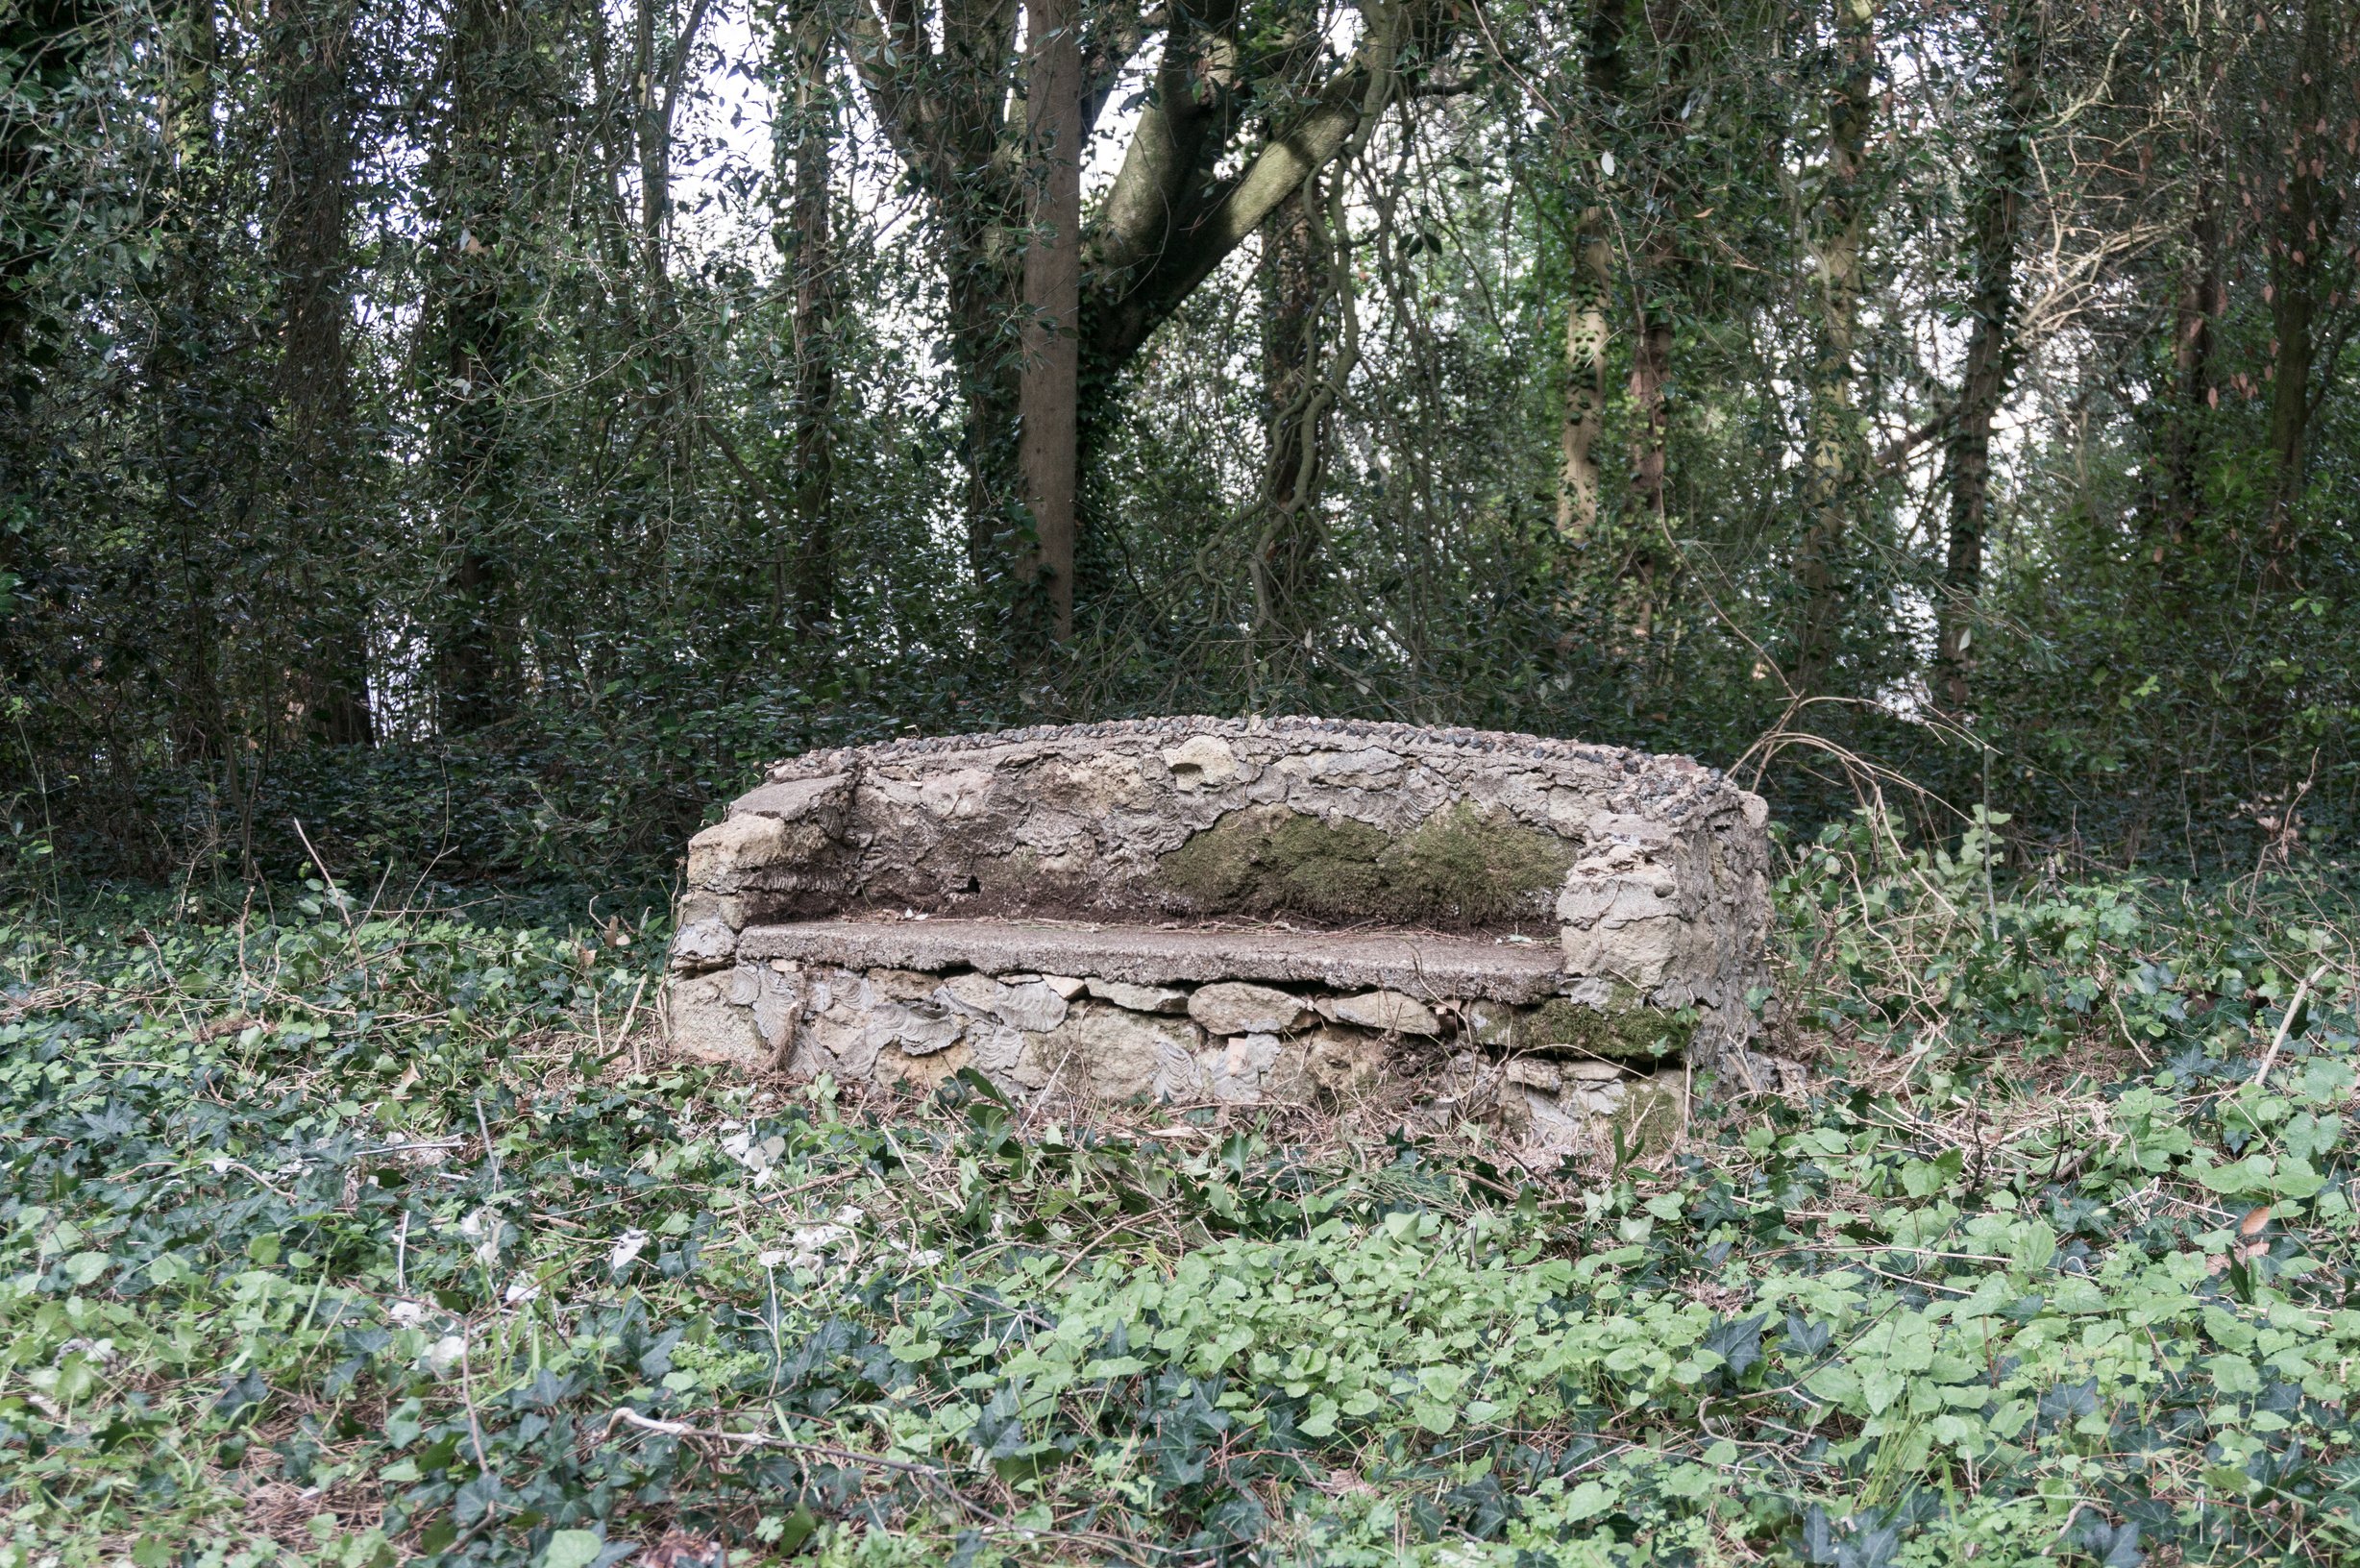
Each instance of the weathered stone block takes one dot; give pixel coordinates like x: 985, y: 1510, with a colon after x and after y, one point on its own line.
x: 1120, y: 1055
x: 707, y: 1024
x: 1388, y: 1011
x: 1140, y: 999
x: 728, y: 854
x: 1235, y: 1007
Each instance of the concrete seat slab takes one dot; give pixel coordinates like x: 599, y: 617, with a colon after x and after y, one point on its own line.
x: 1487, y: 968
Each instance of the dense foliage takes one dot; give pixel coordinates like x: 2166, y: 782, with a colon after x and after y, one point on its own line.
x: 483, y: 429
x: 354, y: 1233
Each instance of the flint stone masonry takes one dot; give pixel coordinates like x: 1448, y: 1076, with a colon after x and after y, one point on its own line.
x: 1206, y: 910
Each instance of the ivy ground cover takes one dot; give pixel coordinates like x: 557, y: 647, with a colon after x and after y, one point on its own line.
x: 353, y: 1238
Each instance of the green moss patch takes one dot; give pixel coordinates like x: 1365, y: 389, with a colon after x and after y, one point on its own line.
x: 1461, y: 867
x: 1618, y: 1034
x: 1647, y: 1120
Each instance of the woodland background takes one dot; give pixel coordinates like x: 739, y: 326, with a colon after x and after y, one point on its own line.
x: 457, y: 441
x: 482, y: 430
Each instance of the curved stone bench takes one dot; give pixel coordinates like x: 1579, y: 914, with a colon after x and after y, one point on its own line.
x: 1217, y: 909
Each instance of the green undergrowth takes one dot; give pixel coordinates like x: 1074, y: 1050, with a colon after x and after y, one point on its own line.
x: 350, y: 1240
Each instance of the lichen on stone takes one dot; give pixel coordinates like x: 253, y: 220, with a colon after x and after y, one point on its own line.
x: 1459, y: 868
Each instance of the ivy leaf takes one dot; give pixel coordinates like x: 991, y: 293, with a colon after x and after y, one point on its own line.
x: 2068, y: 1401
x: 1805, y: 1337
x: 1818, y: 1543
x: 1738, y: 1343
x: 241, y: 1394
x: 1873, y: 1547
x: 2114, y: 1546
x: 474, y: 1499
x: 572, y: 1549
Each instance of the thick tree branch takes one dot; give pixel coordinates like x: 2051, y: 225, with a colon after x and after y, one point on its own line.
x: 887, y: 50
x: 1147, y: 271
x: 1180, y: 134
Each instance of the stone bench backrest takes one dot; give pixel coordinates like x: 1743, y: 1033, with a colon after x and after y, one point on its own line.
x: 1649, y: 870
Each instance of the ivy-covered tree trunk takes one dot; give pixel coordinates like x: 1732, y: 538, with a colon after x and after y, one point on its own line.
x: 1187, y: 195
x: 1048, y: 382
x: 311, y: 206
x: 186, y: 381
x: 659, y: 69
x: 1579, y: 475
x: 1658, y: 262
x: 43, y: 44
x: 1990, y: 346
x: 983, y: 351
x: 1590, y: 298
x: 1655, y: 285
x: 1838, y: 225
x: 477, y: 640
x: 2193, y: 387
x: 2302, y: 234
x: 809, y: 126
x: 1284, y: 563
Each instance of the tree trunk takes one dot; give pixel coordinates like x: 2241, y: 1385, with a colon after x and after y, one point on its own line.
x: 1657, y: 266
x: 2303, y: 233
x: 2192, y: 351
x: 937, y: 77
x: 938, y: 85
x: 1286, y: 559
x: 479, y: 658
x: 2202, y: 300
x: 659, y: 75
x: 1651, y: 369
x: 189, y: 426
x: 978, y: 318
x: 1050, y: 386
x: 1578, y: 482
x: 1990, y: 348
x: 46, y: 41
x: 812, y: 128
x: 311, y: 170
x: 1834, y: 423
x: 1587, y: 319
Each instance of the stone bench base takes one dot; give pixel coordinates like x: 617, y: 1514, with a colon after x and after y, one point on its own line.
x: 1472, y: 1027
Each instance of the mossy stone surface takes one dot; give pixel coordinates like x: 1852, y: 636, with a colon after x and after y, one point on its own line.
x: 1617, y: 1034
x: 1648, y: 1121
x: 1459, y: 868
x: 1266, y: 860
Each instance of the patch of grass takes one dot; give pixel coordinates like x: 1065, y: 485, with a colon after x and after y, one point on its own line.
x: 346, y: 1238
